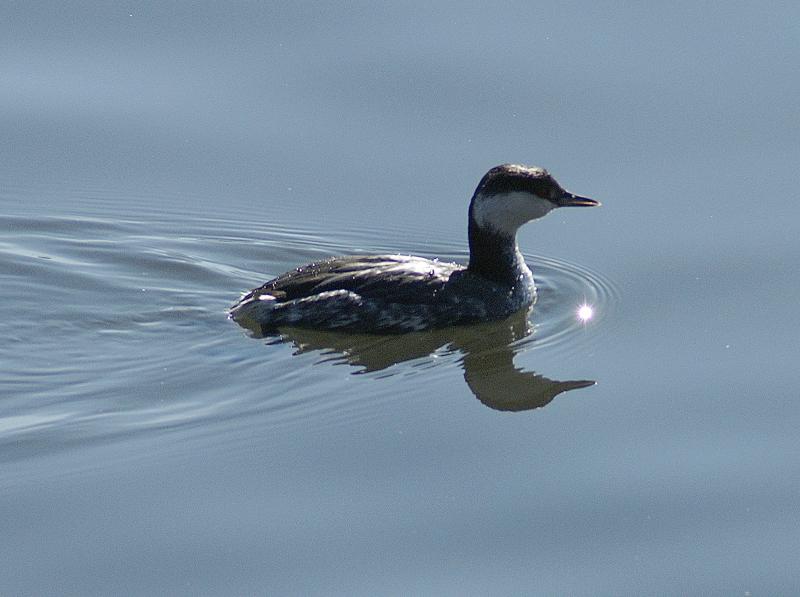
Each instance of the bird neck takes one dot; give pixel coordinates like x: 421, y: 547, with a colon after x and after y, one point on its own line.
x: 495, y: 255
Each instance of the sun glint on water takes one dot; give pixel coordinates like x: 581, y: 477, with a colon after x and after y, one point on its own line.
x: 585, y: 313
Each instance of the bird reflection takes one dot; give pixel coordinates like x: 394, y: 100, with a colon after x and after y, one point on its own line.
x: 487, y: 357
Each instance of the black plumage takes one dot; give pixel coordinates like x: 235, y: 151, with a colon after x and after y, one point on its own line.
x: 396, y: 293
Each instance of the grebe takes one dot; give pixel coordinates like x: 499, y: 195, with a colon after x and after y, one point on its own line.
x: 398, y: 293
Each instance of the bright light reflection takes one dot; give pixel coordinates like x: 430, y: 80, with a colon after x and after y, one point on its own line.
x: 585, y: 313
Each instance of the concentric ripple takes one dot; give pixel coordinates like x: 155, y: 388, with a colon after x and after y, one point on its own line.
x: 573, y: 300
x: 116, y: 323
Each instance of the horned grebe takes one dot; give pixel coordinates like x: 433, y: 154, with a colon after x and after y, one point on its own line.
x: 398, y: 293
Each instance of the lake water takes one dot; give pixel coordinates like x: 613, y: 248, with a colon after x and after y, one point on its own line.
x: 159, y: 160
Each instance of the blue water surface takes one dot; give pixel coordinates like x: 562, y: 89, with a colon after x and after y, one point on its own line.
x: 159, y: 159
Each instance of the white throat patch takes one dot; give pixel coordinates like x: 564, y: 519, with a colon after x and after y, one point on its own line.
x: 506, y: 212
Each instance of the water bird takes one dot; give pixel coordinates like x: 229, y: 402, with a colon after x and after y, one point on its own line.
x: 399, y: 293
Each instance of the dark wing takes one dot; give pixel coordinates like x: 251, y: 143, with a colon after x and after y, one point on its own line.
x: 392, y: 278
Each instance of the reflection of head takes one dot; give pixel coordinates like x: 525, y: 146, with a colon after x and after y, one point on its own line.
x: 495, y: 381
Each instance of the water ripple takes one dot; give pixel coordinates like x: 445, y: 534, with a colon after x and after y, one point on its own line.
x: 117, y: 324
x: 563, y: 289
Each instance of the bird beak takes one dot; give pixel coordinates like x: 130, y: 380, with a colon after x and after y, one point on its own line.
x: 570, y: 200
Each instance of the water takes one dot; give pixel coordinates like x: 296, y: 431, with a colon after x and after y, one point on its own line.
x: 160, y: 160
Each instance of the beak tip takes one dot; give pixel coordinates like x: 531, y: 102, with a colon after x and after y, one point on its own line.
x: 570, y: 200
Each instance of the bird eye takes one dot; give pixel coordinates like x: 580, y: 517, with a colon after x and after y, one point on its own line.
x: 544, y: 188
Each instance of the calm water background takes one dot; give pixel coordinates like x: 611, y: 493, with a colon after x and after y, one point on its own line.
x: 157, y: 160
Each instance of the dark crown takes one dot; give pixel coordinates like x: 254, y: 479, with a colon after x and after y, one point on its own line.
x: 510, y: 178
